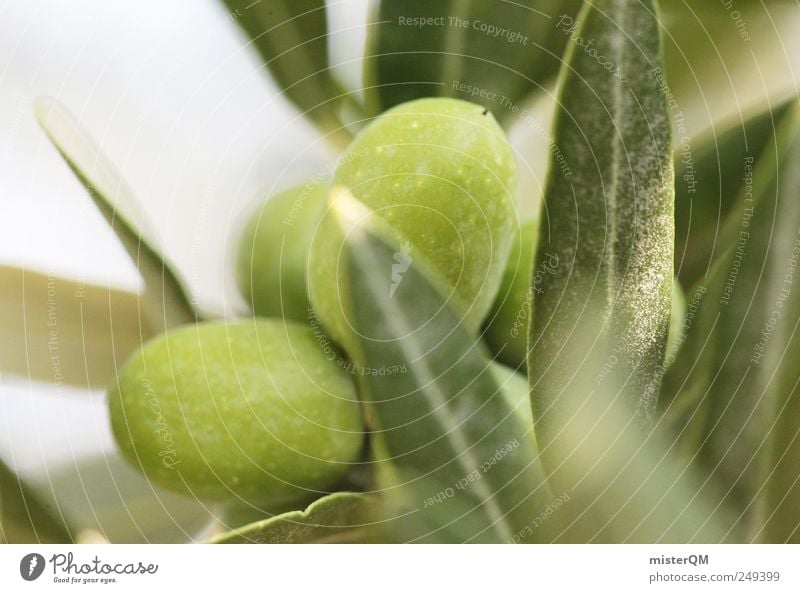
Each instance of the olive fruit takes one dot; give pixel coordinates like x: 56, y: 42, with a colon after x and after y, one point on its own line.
x: 251, y: 411
x: 273, y: 252
x: 441, y: 175
x: 506, y: 331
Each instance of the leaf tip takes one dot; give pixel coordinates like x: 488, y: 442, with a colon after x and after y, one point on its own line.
x: 42, y: 106
x: 48, y: 111
x: 349, y: 213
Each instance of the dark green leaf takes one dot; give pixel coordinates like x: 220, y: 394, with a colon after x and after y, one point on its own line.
x: 455, y: 458
x: 24, y: 519
x: 709, y: 175
x: 166, y: 303
x: 343, y: 517
x: 601, y: 320
x: 737, y: 381
x: 291, y: 38
x: 722, y: 56
x: 609, y: 223
x: 458, y: 55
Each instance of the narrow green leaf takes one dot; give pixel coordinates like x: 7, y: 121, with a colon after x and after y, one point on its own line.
x: 598, y: 338
x: 61, y: 331
x: 709, y: 175
x: 491, y: 52
x: 604, y: 313
x: 713, y: 51
x: 342, y: 517
x: 24, y: 519
x: 708, y: 222
x: 291, y: 38
x: 710, y: 180
x: 166, y: 302
x: 457, y: 460
x: 739, y: 400
x: 105, y: 495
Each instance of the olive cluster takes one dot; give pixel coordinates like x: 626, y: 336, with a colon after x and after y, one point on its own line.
x: 265, y: 410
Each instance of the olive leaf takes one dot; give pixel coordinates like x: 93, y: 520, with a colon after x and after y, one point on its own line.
x: 166, y: 302
x: 604, y: 313
x: 491, y: 52
x: 342, y: 517
x: 710, y: 190
x: 711, y: 50
x: 600, y: 326
x: 62, y: 331
x: 686, y: 384
x: 103, y: 494
x: 291, y: 38
x: 455, y: 460
x: 24, y: 519
x: 709, y: 174
x: 738, y: 404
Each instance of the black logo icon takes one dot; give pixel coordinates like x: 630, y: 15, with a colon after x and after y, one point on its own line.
x: 31, y: 566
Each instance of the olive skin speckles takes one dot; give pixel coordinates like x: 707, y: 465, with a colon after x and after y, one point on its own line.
x: 250, y: 411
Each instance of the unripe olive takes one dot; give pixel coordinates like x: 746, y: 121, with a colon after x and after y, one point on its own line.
x: 249, y: 411
x: 273, y: 252
x: 441, y: 174
x: 506, y: 332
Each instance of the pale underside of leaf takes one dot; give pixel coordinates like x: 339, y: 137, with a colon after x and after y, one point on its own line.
x: 166, y: 302
x: 342, y: 517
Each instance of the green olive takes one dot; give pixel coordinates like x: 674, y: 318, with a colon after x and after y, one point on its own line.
x: 273, y: 252
x: 252, y: 411
x: 506, y: 332
x: 441, y: 174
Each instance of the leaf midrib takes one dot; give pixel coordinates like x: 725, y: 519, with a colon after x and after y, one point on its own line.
x: 396, y: 318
